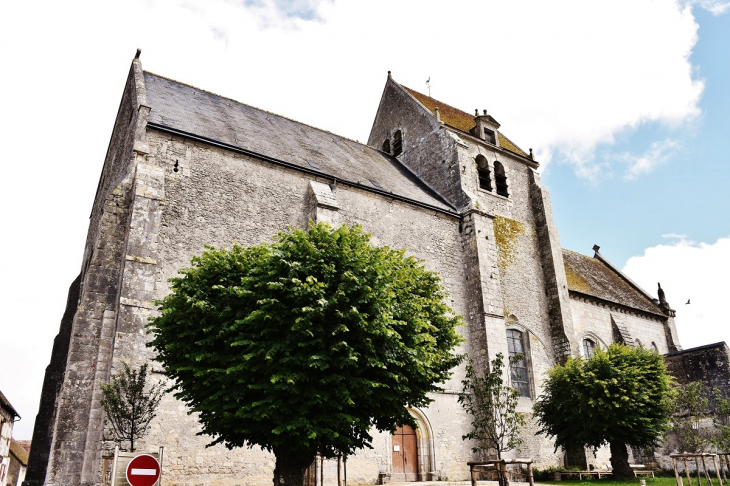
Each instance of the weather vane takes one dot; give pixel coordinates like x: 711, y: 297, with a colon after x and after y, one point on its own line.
x: 428, y: 83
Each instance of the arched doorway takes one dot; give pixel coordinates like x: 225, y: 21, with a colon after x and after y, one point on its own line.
x: 412, y: 451
x: 405, y: 454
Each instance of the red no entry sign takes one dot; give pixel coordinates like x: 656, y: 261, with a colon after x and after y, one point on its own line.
x: 143, y: 470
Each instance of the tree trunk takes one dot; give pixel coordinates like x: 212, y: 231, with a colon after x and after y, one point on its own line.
x: 620, y: 462
x: 291, y: 467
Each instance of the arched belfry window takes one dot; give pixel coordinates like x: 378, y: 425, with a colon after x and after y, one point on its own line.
x: 397, y: 143
x: 386, y: 146
x: 589, y: 348
x: 518, y: 369
x: 501, y: 179
x: 485, y: 178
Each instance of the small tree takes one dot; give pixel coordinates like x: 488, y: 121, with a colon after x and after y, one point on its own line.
x: 129, y: 408
x: 306, y: 344
x: 690, y: 421
x: 620, y: 396
x: 492, y: 405
x: 721, y: 421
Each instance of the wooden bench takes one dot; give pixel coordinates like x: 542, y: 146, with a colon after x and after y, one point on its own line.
x: 595, y: 472
x: 500, y: 467
x: 640, y: 471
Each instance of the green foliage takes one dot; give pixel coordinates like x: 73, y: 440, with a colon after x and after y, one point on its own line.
x: 621, y: 396
x: 691, y: 417
x: 129, y: 408
x: 307, y: 343
x: 721, y: 421
x: 492, y: 405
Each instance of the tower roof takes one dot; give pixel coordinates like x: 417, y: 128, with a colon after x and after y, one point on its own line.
x: 460, y: 120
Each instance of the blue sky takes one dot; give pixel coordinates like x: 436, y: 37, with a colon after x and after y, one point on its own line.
x: 624, y: 101
x: 687, y: 193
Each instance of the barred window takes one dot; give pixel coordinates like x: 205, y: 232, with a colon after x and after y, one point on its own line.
x: 485, y: 178
x: 501, y: 179
x: 518, y: 369
x: 397, y: 143
x: 386, y: 145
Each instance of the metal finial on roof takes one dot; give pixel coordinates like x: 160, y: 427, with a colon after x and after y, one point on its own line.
x: 485, y: 112
x: 596, y: 248
x: 139, y: 51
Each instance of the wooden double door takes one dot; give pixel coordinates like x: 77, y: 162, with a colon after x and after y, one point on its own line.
x: 405, y: 454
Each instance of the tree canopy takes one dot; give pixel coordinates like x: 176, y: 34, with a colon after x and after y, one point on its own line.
x: 620, y: 396
x: 305, y: 344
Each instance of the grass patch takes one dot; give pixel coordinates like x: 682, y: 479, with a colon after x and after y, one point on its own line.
x: 608, y: 481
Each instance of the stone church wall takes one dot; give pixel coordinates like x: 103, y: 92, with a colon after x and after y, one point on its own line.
x: 218, y: 197
x: 593, y: 320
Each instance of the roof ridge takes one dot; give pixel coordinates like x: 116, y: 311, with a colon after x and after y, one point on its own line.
x: 265, y: 111
x: 431, y: 98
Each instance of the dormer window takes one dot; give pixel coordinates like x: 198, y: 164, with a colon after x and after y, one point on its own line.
x: 485, y: 178
x: 501, y: 179
x: 397, y: 143
x: 386, y: 146
x: 489, y: 136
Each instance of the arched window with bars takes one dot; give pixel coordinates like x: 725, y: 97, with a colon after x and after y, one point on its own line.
x: 519, y: 374
x: 397, y: 143
x: 501, y: 179
x: 485, y: 177
x: 386, y: 146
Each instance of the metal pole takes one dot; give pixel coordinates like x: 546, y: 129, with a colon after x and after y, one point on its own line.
x: 345, y: 468
x: 339, y: 462
x: 321, y: 471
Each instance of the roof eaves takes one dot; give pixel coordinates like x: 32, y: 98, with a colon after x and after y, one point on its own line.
x: 698, y: 348
x: 450, y: 210
x: 5, y: 403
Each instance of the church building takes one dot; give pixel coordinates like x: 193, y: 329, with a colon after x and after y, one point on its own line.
x: 187, y: 168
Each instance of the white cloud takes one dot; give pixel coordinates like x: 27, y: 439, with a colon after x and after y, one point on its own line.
x: 716, y: 7
x: 563, y: 77
x: 690, y: 271
x: 675, y: 235
x: 657, y: 154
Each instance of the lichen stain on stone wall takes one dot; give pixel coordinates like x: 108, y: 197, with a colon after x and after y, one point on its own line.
x: 506, y: 232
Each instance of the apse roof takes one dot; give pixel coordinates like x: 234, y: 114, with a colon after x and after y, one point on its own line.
x: 591, y: 276
x: 190, y: 110
x: 460, y: 120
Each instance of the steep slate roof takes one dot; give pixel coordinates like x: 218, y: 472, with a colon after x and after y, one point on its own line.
x: 191, y: 110
x: 592, y: 277
x: 460, y: 120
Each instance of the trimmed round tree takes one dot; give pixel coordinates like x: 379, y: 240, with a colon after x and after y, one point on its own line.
x: 306, y: 344
x: 620, y: 396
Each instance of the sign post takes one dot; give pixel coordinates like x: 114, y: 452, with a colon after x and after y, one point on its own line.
x: 143, y: 470
x: 135, y: 469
